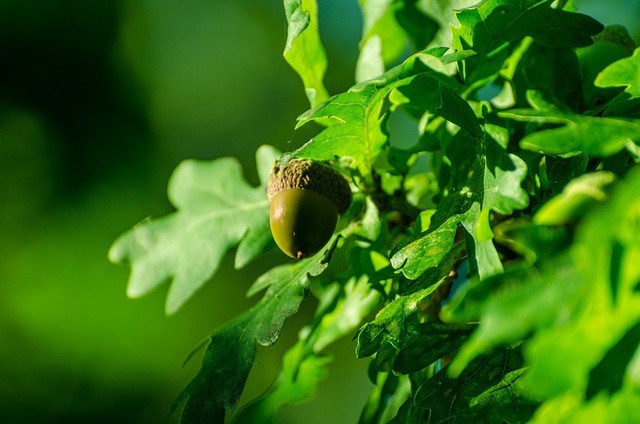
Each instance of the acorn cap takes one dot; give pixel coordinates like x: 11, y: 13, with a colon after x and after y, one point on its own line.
x: 308, y: 175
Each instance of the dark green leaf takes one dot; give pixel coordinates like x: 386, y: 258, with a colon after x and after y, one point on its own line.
x: 377, y: 406
x: 426, y: 92
x: 340, y: 312
x: 494, y: 22
x: 503, y: 175
x: 432, y: 342
x: 534, y: 242
x: 420, y: 27
x: 487, y: 391
x: 549, y: 70
x: 232, y: 348
x: 609, y: 374
x: 489, y: 26
x: 510, y: 306
x: 394, y: 325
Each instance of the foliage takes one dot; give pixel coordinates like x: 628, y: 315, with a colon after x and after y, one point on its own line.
x: 488, y: 266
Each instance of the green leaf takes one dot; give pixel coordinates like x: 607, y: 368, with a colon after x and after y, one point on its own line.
x: 420, y: 27
x: 592, y: 135
x: 304, y: 51
x: 487, y: 391
x: 216, y: 209
x: 232, y: 348
x: 609, y: 374
x: 432, y: 342
x: 489, y: 26
x: 426, y: 92
x: 383, y: 40
x: 623, y: 73
x: 461, y: 208
x: 394, y: 325
x: 577, y: 198
x: 340, y: 312
x: 510, y: 309
x: 354, y: 129
x: 503, y: 174
x: 494, y: 22
x: 532, y: 241
x: 549, y: 70
x: 428, y: 251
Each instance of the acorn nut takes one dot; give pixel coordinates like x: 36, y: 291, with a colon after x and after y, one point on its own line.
x: 306, y: 200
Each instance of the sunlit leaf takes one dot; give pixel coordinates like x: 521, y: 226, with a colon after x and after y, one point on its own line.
x: 581, y: 194
x: 303, y: 50
x: 623, y: 73
x: 586, y: 134
x: 216, y: 209
x: 354, y: 130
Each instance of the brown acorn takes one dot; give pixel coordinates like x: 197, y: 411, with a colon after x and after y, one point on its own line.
x: 306, y: 200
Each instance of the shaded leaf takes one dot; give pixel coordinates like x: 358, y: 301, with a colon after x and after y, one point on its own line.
x: 216, y: 209
x: 426, y: 92
x: 609, y: 374
x: 232, y: 348
x: 383, y: 40
x: 339, y: 313
x: 493, y: 22
x: 394, y: 325
x: 487, y: 28
x: 510, y: 308
x: 420, y: 27
x: 503, y: 175
x: 487, y: 391
x: 532, y: 241
x: 432, y: 342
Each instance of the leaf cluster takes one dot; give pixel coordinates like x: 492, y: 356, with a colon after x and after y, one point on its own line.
x: 487, y: 266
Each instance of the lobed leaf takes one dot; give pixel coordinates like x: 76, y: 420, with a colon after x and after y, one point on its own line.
x: 339, y: 313
x: 493, y: 27
x: 229, y: 356
x: 354, y: 130
x: 591, y: 135
x: 216, y: 210
x: 623, y: 73
x: 487, y: 391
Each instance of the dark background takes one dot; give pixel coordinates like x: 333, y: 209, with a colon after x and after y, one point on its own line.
x: 99, y: 101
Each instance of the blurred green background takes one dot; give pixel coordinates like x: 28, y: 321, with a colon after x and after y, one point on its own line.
x: 99, y: 101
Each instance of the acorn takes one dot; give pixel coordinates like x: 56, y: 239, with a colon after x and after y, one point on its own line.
x: 306, y: 200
